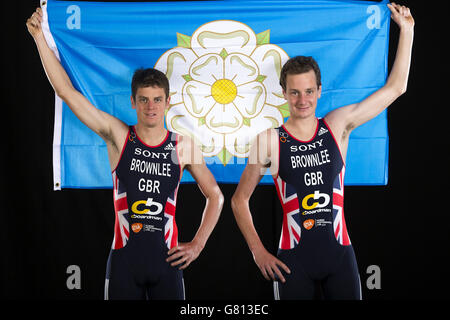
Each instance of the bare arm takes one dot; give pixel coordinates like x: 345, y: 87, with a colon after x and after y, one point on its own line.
x: 261, y: 156
x: 191, y: 158
x: 344, y: 120
x: 111, y: 129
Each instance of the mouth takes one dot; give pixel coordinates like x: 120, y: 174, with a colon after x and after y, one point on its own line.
x: 302, y: 107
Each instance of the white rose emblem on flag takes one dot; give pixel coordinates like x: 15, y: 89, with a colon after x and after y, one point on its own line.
x: 224, y: 87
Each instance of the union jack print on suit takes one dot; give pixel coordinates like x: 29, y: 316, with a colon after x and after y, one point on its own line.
x: 121, y: 228
x: 290, y: 232
x: 339, y: 226
x: 170, y: 227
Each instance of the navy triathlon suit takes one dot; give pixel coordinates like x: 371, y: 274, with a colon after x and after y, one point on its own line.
x: 145, y: 184
x: 314, y: 242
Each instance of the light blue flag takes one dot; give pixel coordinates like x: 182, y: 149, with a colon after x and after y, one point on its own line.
x: 223, y: 60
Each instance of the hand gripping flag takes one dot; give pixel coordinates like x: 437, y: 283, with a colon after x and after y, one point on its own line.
x: 223, y: 60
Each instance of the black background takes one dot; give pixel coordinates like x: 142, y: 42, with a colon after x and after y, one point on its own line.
x: 402, y: 227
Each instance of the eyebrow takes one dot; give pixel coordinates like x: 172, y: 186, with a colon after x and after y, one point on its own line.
x: 295, y: 90
x: 145, y: 97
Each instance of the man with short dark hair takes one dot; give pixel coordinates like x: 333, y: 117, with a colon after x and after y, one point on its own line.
x: 147, y: 162
x: 306, y: 157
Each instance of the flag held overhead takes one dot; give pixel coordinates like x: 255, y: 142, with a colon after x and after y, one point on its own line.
x: 223, y: 60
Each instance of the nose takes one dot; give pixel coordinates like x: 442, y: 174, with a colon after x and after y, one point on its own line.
x: 301, y: 99
x: 150, y: 105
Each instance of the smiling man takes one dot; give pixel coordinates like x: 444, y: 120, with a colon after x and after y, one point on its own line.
x: 306, y: 157
x: 147, y: 162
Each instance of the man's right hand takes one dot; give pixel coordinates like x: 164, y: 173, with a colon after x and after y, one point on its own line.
x: 268, y: 265
x: 34, y: 24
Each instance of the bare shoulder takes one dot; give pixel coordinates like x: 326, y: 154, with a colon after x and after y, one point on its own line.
x: 191, y: 159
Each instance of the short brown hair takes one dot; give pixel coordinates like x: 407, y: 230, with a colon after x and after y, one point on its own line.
x: 298, y: 65
x: 143, y: 78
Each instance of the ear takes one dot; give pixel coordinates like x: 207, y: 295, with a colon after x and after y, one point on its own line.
x: 319, y: 92
x: 167, y: 103
x: 133, y: 104
x: 284, y: 94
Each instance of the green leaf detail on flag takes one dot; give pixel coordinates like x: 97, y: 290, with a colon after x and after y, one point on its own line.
x: 183, y: 41
x: 246, y: 121
x: 284, y: 109
x: 260, y: 78
x: 187, y: 77
x: 224, y: 156
x: 223, y: 53
x: 201, y: 121
x: 263, y: 38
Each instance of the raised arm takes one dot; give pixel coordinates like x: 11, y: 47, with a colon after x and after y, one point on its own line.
x: 192, y: 160
x: 344, y: 120
x: 111, y: 129
x: 262, y: 156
